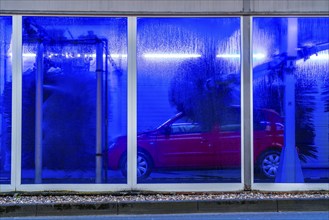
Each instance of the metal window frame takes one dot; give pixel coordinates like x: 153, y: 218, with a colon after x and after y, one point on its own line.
x: 132, y: 134
x: 131, y: 131
x: 247, y: 166
x: 16, y: 184
x: 280, y: 187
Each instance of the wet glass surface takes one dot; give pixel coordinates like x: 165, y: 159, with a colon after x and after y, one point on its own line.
x: 74, y: 98
x: 5, y: 98
x: 291, y: 79
x: 188, y: 99
x: 188, y: 102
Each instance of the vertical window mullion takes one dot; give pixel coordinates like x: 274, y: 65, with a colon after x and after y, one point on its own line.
x: 16, y: 101
x: 247, y: 134
x: 132, y: 103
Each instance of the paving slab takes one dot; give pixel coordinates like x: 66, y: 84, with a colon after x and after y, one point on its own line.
x: 77, y: 209
x: 303, y: 205
x: 238, y: 206
x: 18, y: 210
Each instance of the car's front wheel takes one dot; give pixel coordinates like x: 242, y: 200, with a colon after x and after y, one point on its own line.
x: 144, y: 165
x: 268, y: 163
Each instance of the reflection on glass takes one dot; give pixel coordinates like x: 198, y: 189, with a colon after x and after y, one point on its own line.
x: 292, y: 81
x: 5, y: 97
x: 186, y: 94
x: 74, y: 102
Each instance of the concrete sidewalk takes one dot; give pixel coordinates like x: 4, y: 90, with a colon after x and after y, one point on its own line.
x: 164, y: 207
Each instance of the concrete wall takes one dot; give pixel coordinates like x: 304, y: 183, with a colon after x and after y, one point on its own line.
x: 165, y: 7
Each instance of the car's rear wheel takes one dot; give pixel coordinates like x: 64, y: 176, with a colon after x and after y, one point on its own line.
x: 144, y: 165
x: 268, y: 163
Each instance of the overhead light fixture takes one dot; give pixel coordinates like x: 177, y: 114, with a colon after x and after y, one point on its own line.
x: 170, y: 55
x: 255, y: 56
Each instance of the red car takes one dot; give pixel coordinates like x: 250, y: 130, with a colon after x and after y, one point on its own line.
x: 180, y: 143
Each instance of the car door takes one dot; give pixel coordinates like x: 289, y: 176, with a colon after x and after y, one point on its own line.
x: 268, y: 131
x: 184, y: 145
x: 227, y: 142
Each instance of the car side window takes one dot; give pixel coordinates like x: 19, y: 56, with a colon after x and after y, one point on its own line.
x: 230, y: 120
x: 185, y: 125
x: 260, y: 123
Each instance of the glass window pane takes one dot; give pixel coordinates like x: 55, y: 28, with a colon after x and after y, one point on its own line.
x: 5, y: 98
x: 291, y: 87
x: 74, y: 98
x: 188, y: 85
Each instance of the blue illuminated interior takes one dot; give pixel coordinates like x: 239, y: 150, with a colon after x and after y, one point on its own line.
x: 5, y: 92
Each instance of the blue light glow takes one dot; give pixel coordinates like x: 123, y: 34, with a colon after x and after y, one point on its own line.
x: 236, y: 56
x: 170, y: 55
